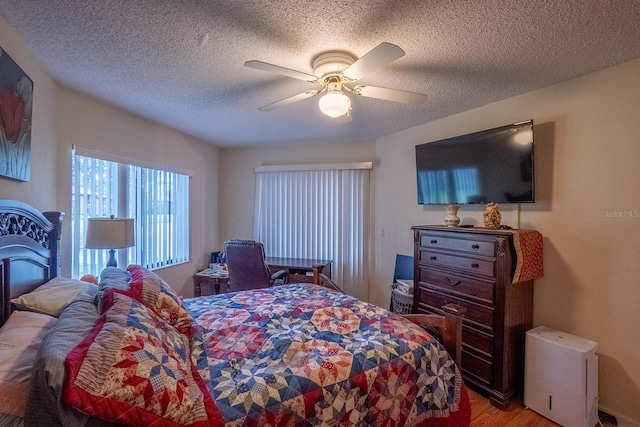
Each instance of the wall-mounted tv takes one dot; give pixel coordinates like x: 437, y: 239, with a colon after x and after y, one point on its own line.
x: 494, y: 165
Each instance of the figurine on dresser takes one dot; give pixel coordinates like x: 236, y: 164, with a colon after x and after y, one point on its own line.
x: 492, y: 216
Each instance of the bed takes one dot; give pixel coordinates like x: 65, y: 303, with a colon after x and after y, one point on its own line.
x: 129, y: 351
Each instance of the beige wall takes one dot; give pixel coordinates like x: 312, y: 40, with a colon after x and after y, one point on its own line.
x: 587, y: 151
x: 40, y: 191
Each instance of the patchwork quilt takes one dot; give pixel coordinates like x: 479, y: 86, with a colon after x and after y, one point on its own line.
x: 293, y: 355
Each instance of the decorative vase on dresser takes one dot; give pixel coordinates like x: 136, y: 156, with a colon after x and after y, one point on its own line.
x: 481, y: 270
x: 452, y: 219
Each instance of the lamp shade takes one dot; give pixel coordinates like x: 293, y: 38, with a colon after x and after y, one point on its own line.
x: 335, y: 103
x: 110, y: 233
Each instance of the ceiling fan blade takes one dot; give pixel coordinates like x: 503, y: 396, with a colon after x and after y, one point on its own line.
x: 264, y: 66
x: 394, y: 95
x: 289, y: 100
x: 377, y: 57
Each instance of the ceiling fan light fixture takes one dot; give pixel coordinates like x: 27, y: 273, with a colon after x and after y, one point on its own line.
x: 336, y: 71
x: 335, y: 103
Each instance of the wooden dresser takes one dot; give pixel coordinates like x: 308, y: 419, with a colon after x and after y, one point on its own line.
x: 474, y: 267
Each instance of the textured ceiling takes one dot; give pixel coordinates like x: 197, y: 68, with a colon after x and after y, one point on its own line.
x: 180, y: 62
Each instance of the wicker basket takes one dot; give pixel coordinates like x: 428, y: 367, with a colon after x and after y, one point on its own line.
x: 402, y: 303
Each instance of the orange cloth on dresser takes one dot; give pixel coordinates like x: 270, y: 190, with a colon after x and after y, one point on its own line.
x: 528, y: 245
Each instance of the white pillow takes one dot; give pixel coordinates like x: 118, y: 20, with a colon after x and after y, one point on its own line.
x: 52, y: 297
x: 20, y: 338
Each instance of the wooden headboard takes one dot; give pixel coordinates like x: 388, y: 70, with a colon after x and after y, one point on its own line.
x: 29, y: 250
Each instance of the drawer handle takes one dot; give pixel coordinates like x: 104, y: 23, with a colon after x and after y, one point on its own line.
x: 475, y: 265
x: 475, y: 246
x: 434, y: 242
x: 432, y: 258
x: 452, y: 283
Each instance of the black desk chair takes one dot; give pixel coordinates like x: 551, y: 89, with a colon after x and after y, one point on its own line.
x: 247, y: 269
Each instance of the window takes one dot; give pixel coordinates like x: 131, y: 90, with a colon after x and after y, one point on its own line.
x: 320, y: 212
x: 158, y: 201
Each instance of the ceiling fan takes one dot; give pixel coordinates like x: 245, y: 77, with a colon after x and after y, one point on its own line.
x: 336, y: 71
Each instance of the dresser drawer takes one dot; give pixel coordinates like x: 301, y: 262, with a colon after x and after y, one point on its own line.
x: 477, y: 367
x: 481, y: 342
x: 458, y: 283
x: 472, y: 265
x: 475, y: 245
x: 481, y: 315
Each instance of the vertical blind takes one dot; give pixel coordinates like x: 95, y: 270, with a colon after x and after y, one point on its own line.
x: 158, y: 201
x: 161, y: 198
x: 318, y: 214
x: 94, y: 193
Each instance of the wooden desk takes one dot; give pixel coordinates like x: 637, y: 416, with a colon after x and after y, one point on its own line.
x: 299, y: 269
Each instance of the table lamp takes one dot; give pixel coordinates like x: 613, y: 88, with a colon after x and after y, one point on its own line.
x: 110, y: 233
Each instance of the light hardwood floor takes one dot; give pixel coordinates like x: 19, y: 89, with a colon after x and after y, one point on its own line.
x: 483, y: 413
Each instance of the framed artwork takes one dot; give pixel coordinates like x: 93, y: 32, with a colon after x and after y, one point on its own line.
x: 16, y: 95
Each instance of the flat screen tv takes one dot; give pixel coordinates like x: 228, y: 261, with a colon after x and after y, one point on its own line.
x: 494, y: 165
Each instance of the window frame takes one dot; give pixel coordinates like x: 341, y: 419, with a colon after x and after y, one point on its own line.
x: 122, y: 203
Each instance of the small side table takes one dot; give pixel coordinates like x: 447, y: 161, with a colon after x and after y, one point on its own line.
x: 209, y: 277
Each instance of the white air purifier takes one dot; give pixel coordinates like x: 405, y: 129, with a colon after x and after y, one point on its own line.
x: 561, y: 377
